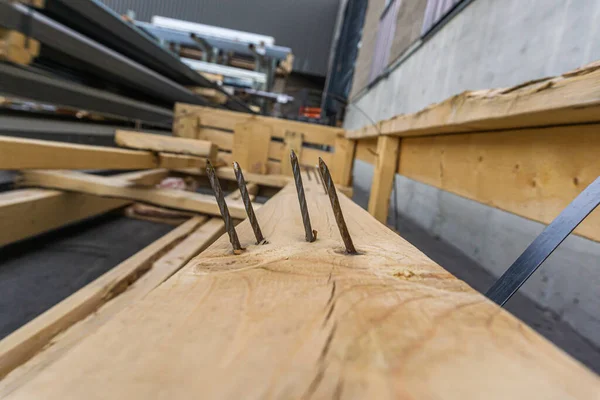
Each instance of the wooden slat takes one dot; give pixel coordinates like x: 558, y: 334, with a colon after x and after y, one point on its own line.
x: 343, y: 161
x: 568, y: 99
x: 304, y: 320
x: 168, y: 144
x: 251, y: 146
x: 17, y: 153
x: 383, y: 178
x: 117, y: 188
x: 223, y: 119
x: 534, y: 173
x: 28, y: 212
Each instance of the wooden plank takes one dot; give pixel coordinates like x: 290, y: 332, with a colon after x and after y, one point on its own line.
x: 168, y: 144
x: 175, y: 161
x: 534, y: 173
x: 18, y: 153
x: 117, y: 188
x: 567, y: 99
x: 366, y: 150
x: 23, y: 343
x: 251, y: 146
x: 277, y: 150
x: 388, y: 148
x: 223, y: 119
x: 28, y: 212
x: 223, y: 139
x: 292, y: 142
x: 303, y: 320
x: 343, y: 161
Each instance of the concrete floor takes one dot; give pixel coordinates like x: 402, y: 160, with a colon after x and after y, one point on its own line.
x: 36, y: 274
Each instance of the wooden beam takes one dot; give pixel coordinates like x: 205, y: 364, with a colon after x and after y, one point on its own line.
x: 571, y: 98
x: 17, y: 153
x: 304, y: 320
x: 168, y: 144
x: 117, y: 188
x: 534, y: 173
x: 292, y: 141
x: 388, y: 148
x: 223, y: 119
x: 343, y: 161
x: 251, y: 146
x: 28, y: 212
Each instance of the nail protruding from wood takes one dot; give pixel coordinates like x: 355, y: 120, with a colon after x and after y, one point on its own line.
x: 229, y: 225
x: 337, y: 210
x: 239, y: 176
x: 310, y: 234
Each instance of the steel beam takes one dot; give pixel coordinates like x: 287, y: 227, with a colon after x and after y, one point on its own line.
x: 99, y: 57
x: 98, y: 22
x: 31, y: 84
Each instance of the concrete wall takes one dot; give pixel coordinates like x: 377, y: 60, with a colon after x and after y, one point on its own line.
x: 491, y: 44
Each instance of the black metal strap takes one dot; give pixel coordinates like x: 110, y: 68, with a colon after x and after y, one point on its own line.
x: 539, y: 250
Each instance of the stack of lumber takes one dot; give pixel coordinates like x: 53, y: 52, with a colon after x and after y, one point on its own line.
x: 529, y: 149
x: 293, y: 319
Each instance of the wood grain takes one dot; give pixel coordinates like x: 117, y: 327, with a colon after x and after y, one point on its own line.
x: 304, y: 320
x: 168, y: 144
x: 251, y: 146
x: 571, y: 98
x: 534, y: 173
x: 385, y: 169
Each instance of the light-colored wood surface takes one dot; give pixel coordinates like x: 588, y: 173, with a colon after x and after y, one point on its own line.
x: 175, y: 161
x: 28, y: 212
x: 223, y: 119
x: 26, y: 341
x: 211, y: 94
x: 534, y: 173
x: 388, y: 148
x: 291, y: 142
x: 17, y: 153
x: 568, y: 99
x: 168, y: 144
x: 304, y: 320
x: 277, y: 150
x: 117, y: 188
x: 343, y: 161
x: 366, y: 150
x: 251, y: 146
